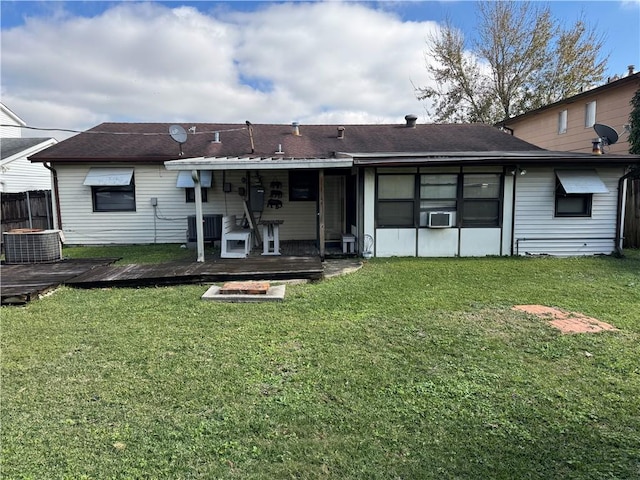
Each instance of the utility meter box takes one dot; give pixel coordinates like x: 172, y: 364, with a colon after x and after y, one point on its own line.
x: 256, y: 198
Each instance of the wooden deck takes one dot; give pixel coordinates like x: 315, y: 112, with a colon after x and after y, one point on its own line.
x: 22, y: 283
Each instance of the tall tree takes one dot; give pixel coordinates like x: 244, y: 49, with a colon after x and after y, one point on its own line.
x: 523, y: 59
x: 634, y: 122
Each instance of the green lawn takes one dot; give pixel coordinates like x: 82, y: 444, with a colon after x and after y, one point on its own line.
x: 406, y: 369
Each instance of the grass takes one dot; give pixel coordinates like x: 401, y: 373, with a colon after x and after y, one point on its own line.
x: 408, y: 368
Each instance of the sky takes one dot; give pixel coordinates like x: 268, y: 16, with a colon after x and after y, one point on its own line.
x: 75, y: 64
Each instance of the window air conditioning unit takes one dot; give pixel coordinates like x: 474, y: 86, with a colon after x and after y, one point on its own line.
x: 440, y: 220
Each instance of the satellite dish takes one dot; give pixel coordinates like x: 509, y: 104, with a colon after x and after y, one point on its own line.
x: 179, y: 134
x: 608, y: 135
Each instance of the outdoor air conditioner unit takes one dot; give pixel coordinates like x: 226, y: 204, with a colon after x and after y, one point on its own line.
x: 440, y: 220
x: 212, y: 228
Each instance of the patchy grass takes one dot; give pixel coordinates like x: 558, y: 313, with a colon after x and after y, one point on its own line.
x: 408, y: 368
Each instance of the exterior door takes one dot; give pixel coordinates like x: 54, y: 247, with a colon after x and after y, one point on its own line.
x: 334, y: 190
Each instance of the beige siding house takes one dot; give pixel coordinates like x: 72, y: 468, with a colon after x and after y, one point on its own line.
x: 567, y: 125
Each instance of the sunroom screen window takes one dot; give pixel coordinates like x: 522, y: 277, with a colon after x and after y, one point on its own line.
x: 396, y: 200
x: 438, y: 193
x: 481, y: 200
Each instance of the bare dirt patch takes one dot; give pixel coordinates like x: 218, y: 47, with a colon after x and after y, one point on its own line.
x: 566, y: 322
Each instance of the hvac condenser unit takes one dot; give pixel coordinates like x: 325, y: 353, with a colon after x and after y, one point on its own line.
x: 440, y: 219
x: 32, y: 246
x: 212, y: 228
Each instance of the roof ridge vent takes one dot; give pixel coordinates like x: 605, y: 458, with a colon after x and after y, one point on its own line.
x: 411, y: 120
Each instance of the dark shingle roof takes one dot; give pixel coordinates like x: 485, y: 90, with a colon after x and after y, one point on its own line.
x: 9, y: 146
x: 151, y: 141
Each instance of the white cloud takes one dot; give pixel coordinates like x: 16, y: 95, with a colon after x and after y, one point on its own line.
x: 312, y: 62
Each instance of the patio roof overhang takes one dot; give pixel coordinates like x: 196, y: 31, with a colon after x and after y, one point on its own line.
x: 256, y: 163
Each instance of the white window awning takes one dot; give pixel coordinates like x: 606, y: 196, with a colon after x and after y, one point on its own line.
x: 100, y: 177
x: 186, y: 181
x: 581, y: 181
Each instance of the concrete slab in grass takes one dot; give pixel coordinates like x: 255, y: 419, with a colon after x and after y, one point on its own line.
x: 274, y: 294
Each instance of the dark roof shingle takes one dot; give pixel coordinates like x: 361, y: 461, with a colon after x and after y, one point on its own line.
x: 152, y: 142
x: 13, y: 145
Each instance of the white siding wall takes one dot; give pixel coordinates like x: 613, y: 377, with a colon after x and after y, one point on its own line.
x: 534, y: 217
x: 169, y: 224
x: 369, y: 192
x: 21, y: 175
x: 6, y: 119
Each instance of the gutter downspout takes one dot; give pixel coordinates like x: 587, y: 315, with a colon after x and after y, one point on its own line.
x: 54, y: 174
x: 513, y: 212
x: 619, y: 217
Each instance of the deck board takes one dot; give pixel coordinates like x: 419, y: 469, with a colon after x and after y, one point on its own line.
x: 216, y: 270
x: 22, y: 283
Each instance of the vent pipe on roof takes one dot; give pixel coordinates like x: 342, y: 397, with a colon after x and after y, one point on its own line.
x: 216, y: 137
x: 296, y: 128
x: 411, y: 120
x: 340, y: 133
x: 631, y: 69
x: 596, y: 147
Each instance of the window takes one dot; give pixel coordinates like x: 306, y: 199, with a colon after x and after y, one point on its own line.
x: 112, y: 189
x: 590, y: 114
x: 573, y: 205
x: 405, y: 200
x: 190, y: 194
x: 438, y: 193
x: 574, y: 192
x: 114, y: 198
x: 396, y: 200
x: 481, y: 194
x: 562, y: 122
x: 303, y: 185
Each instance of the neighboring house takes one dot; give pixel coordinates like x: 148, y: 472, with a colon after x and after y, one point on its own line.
x: 568, y: 125
x: 417, y: 190
x: 17, y: 174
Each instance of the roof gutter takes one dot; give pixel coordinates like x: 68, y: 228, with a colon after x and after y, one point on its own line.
x: 56, y: 191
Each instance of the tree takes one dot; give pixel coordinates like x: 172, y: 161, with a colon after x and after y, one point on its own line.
x: 523, y: 59
x: 634, y: 122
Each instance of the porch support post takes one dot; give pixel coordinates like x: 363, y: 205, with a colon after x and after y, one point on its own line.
x: 195, y: 175
x: 321, y: 211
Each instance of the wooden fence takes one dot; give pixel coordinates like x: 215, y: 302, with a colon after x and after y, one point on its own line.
x: 632, y: 217
x: 26, y: 210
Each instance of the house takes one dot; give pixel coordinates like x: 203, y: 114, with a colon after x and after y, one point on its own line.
x: 411, y: 189
x: 17, y: 174
x: 568, y: 126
